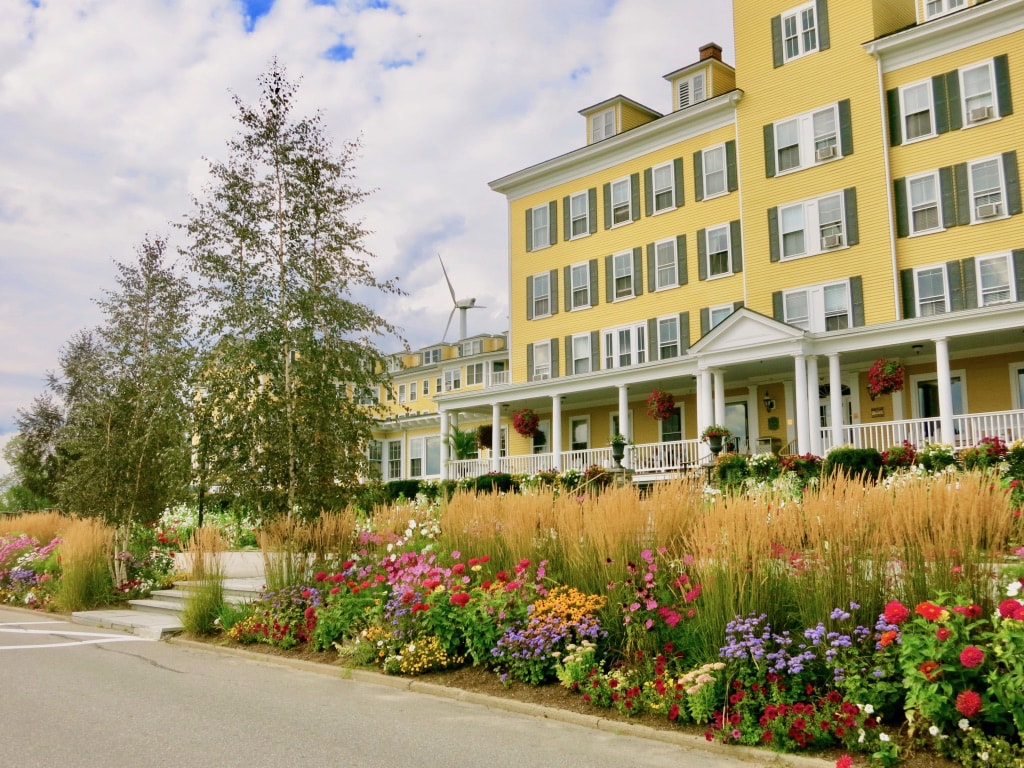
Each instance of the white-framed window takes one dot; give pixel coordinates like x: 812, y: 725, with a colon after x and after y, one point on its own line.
x: 923, y: 194
x: 412, y: 390
x: 933, y: 8
x: 474, y: 374
x: 622, y: 201
x: 579, y: 433
x: 917, y: 109
x: 542, y: 294
x: 541, y: 360
x: 718, y: 313
x: 668, y: 337
x: 615, y: 429
x: 425, y: 456
x: 401, y: 393
x: 807, y: 139
x: 666, y: 273
x: 664, y: 183
x: 365, y: 396
x: 437, y: 384
x: 394, y: 364
x: 581, y: 353
x: 579, y: 277
x: 816, y: 308
x: 811, y: 226
x: 429, y: 356
x: 714, y: 170
x: 474, y: 347
x: 452, y: 379
x: 602, y: 125
x: 799, y: 32
x: 426, y: 387
x: 977, y: 92
x: 394, y: 466
x: 719, y: 263
x: 932, y: 290
x: 995, y: 279
x: 625, y: 346
x: 375, y: 455
x: 691, y: 89
x: 622, y: 264
x: 987, y: 189
x: 579, y: 215
x: 541, y: 232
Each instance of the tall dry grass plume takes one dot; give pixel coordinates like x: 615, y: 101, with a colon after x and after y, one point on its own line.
x: 86, y: 553
x: 41, y: 526
x: 206, y: 591
x: 291, y: 546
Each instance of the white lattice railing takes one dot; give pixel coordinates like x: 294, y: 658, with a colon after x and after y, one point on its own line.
x: 968, y: 429
x: 665, y: 457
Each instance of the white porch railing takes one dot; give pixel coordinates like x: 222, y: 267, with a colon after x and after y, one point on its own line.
x: 528, y: 464
x: 498, y: 377
x: 580, y: 460
x: 968, y: 429
x: 665, y: 457
x: 468, y: 468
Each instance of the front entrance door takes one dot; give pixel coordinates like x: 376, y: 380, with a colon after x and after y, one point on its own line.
x: 736, y: 421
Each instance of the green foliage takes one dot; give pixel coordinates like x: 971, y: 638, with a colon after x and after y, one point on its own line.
x: 935, y: 457
x: 764, y: 466
x: 231, y: 614
x: 496, y: 482
x: 863, y: 463
x: 347, y: 609
x: 731, y: 469
x: 401, y: 489
x: 463, y: 443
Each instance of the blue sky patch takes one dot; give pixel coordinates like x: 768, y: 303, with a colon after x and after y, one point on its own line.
x: 253, y: 10
x: 340, y: 52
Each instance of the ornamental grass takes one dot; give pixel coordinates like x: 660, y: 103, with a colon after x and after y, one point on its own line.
x: 293, y: 546
x: 86, y: 552
x: 206, y: 593
x: 41, y: 526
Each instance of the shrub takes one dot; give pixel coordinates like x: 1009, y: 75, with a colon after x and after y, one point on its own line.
x: 731, y: 468
x: 396, y: 489
x: 900, y: 456
x: 500, y: 482
x: 863, y: 463
x: 804, y: 466
x: 987, y: 453
x: 935, y: 457
x: 764, y: 466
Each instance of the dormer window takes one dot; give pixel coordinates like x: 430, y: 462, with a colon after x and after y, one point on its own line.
x: 691, y: 90
x: 602, y: 125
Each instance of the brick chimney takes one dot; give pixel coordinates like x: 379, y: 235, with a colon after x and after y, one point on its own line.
x: 711, y: 51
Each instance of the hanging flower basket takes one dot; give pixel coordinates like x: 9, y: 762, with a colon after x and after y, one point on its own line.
x: 485, y: 436
x: 526, y: 422
x: 660, y: 405
x: 885, y: 377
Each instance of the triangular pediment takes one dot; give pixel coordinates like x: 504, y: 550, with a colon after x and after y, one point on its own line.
x: 745, y: 329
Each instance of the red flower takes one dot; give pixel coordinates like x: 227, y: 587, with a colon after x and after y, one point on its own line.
x: 673, y: 712
x: 968, y: 703
x: 431, y: 584
x: 895, y: 612
x: 930, y: 669
x: 501, y: 576
x: 458, y: 569
x: 320, y: 576
x: 1009, y: 607
x: 844, y: 762
x: 942, y: 633
x: 929, y: 611
x: 460, y: 599
x: 971, y: 611
x: 972, y: 656
x: 888, y: 637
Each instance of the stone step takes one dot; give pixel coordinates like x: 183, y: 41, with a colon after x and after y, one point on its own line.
x: 153, y: 626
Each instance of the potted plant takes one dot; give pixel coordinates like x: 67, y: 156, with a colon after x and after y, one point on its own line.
x: 660, y: 405
x: 885, y: 377
x: 618, y: 444
x: 525, y: 421
x: 485, y: 436
x: 713, y: 435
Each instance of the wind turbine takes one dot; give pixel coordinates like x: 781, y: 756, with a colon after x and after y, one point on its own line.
x: 463, y: 305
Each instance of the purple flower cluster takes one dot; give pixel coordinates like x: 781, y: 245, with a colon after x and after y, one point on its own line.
x: 752, y: 638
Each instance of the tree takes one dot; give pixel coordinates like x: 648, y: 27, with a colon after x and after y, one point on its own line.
x: 279, y: 260
x: 35, y: 456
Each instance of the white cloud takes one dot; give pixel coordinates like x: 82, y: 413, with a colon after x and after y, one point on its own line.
x: 107, y: 108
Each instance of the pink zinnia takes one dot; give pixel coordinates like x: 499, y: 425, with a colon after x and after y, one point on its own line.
x: 942, y: 633
x: 968, y: 703
x: 844, y: 762
x: 895, y: 612
x: 972, y: 656
x: 1008, y: 608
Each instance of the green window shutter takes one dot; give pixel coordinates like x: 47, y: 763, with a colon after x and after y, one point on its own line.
x: 963, y: 194
x: 777, y: 59
x: 638, y: 271
x: 592, y: 209
x: 1018, y: 272
x: 769, y: 150
x: 529, y: 298
x: 607, y: 206
x: 899, y: 196
x: 652, y: 339
x: 968, y: 270
x: 778, y: 312
x: 677, y: 179
x: 774, y: 251
x: 553, y: 222
x: 609, y: 280
x: 652, y: 269
x: 634, y: 187
x: 1002, y: 69
x: 731, y: 175
x: 648, y: 192
x: 529, y: 362
x: 857, y: 301
x: 852, y: 226
x: 956, y: 118
x: 824, y: 39
x: 567, y: 281
x: 702, y: 255
x: 684, y: 332
x: 956, y: 285
x: 705, y: 321
x: 939, y: 105
x: 566, y: 219
x: 595, y: 351
x: 1012, y: 183
x: 553, y: 278
x: 907, y: 294
x: 568, y: 356
x: 946, y: 196
x: 594, y: 298
x: 845, y: 127
x: 892, y: 103
x: 529, y: 229
x: 554, y: 359
x: 681, y: 259
x: 736, y: 245
x: 698, y: 175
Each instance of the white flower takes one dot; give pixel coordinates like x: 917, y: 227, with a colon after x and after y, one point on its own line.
x: 933, y: 730
x: 984, y: 756
x: 883, y: 737
x: 964, y: 724
x: 1014, y: 589
x: 869, y: 709
x: 860, y: 739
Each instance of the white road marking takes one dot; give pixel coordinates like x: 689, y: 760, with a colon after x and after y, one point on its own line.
x: 26, y: 623
x: 94, y: 638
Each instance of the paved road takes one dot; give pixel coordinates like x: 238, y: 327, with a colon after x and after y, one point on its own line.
x: 71, y: 697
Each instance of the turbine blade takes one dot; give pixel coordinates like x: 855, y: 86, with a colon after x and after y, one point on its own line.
x: 447, y: 280
x: 449, y: 325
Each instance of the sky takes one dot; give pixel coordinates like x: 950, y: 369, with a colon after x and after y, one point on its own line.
x: 111, y: 109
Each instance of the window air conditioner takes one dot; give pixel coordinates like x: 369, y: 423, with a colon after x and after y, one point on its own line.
x: 988, y: 210
x: 824, y: 153
x: 831, y: 241
x: 978, y: 114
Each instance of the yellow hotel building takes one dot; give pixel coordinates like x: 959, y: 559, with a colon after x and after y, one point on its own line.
x: 848, y: 191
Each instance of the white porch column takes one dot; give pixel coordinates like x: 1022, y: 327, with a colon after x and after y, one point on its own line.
x: 496, y: 437
x: 945, y: 392
x: 835, y: 399
x: 556, y: 433
x: 705, y: 409
x: 803, y: 432
x: 719, y: 384
x: 753, y: 419
x: 445, y: 437
x: 624, y: 425
x: 814, y: 405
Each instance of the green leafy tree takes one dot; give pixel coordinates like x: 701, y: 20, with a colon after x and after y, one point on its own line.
x: 34, y: 456
x: 281, y: 267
